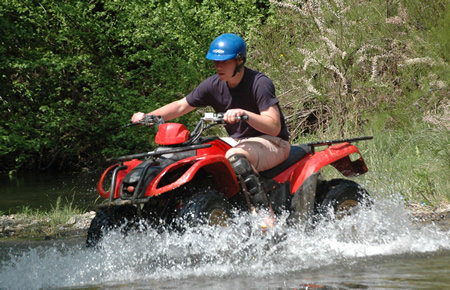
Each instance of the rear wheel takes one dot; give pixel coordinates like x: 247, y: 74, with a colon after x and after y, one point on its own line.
x: 108, y: 219
x: 208, y: 207
x: 339, y: 195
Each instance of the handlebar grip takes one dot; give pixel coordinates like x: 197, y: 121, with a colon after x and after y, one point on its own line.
x: 218, y: 118
x: 148, y: 120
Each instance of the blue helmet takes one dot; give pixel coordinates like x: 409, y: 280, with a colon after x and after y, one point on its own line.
x: 227, y: 46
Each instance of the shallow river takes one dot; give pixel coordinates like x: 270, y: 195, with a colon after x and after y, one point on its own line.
x: 380, y: 247
x: 377, y: 248
x: 41, y: 191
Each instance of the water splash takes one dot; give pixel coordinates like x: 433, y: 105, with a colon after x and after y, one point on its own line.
x: 239, y: 250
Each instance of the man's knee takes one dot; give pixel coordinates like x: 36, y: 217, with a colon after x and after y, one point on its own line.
x: 240, y: 164
x: 250, y: 178
x: 236, y: 151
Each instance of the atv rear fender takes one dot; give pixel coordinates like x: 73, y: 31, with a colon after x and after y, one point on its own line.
x: 117, y: 176
x: 345, y: 157
x: 216, y: 165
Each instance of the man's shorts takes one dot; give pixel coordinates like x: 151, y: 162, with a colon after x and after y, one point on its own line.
x: 264, y: 152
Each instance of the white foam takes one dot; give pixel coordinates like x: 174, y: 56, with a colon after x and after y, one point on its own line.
x: 240, y: 249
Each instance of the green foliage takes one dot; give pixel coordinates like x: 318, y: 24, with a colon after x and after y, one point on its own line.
x: 413, y: 162
x: 61, y: 213
x: 72, y: 73
x: 337, y: 62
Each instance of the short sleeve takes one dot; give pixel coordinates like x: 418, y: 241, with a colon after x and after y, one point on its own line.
x: 264, y: 93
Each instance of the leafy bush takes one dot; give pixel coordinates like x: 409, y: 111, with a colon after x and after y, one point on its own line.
x: 73, y: 73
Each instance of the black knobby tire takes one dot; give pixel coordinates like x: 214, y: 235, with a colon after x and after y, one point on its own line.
x: 108, y: 219
x: 341, y: 195
x: 207, y: 207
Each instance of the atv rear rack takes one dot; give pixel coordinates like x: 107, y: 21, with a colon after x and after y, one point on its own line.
x: 312, y: 145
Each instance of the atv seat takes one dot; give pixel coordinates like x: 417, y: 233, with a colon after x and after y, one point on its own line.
x: 297, y: 153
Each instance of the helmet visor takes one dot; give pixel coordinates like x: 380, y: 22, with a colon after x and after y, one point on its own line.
x: 219, y: 57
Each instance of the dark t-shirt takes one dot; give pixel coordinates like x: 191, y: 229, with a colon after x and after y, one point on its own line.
x: 255, y: 93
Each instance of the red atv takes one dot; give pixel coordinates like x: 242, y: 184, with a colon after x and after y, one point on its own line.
x: 189, y: 178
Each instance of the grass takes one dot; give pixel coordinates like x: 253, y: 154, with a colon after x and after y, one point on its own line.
x: 58, y: 214
x: 37, y: 223
x: 414, y: 163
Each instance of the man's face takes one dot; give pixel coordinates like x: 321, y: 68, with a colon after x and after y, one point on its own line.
x: 225, y: 69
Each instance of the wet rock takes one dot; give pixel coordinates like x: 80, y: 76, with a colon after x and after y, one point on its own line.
x: 80, y: 222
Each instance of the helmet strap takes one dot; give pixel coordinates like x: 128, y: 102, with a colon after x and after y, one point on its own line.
x: 239, y: 67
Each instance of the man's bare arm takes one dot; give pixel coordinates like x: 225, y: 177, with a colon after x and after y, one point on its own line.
x: 167, y: 112
x: 268, y: 121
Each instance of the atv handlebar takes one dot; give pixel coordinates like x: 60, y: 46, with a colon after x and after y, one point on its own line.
x: 151, y: 120
x: 215, y: 119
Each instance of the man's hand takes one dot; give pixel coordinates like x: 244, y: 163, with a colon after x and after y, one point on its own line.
x: 232, y: 116
x: 267, y: 121
x: 137, y: 117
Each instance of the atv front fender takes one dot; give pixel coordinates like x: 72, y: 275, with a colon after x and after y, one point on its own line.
x: 216, y: 165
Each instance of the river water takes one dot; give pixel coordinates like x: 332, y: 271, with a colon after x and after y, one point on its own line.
x: 40, y: 191
x: 380, y: 247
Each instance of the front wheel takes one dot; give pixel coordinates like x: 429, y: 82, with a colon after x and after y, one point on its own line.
x: 340, y: 196
x: 108, y: 219
x: 208, y: 207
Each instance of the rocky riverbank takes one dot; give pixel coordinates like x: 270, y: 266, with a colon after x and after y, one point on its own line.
x: 425, y: 215
x: 24, y: 227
